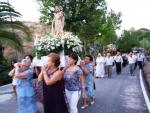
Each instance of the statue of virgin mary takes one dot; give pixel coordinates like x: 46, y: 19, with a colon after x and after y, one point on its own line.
x: 58, y: 22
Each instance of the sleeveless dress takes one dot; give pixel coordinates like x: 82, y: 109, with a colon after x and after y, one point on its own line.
x: 54, y: 100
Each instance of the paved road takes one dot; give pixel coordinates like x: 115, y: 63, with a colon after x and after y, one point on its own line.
x: 120, y: 94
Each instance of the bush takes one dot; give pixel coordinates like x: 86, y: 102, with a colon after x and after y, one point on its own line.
x: 4, y: 70
x: 32, y: 52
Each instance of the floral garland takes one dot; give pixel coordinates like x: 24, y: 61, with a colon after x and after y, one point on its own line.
x: 49, y: 43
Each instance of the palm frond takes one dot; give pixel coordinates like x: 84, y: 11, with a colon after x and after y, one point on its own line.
x: 9, y: 28
x: 11, y: 39
x: 4, y: 6
x: 8, y: 14
x: 17, y: 26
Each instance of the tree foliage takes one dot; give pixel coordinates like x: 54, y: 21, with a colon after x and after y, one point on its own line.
x: 8, y: 27
x: 9, y: 37
x: 134, y: 38
x: 127, y: 41
x: 86, y: 18
x: 108, y: 29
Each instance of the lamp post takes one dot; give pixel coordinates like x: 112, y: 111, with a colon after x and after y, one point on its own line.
x: 100, y: 34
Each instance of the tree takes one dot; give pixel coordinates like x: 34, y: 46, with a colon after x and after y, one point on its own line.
x: 86, y: 18
x: 9, y: 37
x: 8, y: 27
x: 134, y: 38
x: 108, y: 29
x: 143, y: 36
x: 127, y: 41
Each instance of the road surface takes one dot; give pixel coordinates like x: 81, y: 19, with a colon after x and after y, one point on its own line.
x: 120, y: 94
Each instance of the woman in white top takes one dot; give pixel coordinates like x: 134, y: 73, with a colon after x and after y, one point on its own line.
x: 100, y: 61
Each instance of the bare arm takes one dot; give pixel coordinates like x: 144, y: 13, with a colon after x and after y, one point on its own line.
x: 12, y: 72
x: 56, y: 77
x: 83, y: 85
x: 65, y: 68
x: 20, y: 74
x: 40, y: 77
x: 82, y: 81
x: 44, y: 69
x: 85, y: 70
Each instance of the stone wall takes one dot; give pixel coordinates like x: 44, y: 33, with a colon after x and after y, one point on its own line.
x: 37, y: 30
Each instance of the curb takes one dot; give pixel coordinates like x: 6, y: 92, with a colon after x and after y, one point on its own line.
x: 144, y: 91
x: 6, y: 89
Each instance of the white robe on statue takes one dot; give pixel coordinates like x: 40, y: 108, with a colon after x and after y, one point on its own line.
x: 100, y: 63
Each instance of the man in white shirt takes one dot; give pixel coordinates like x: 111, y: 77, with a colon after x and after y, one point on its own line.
x: 118, y: 61
x: 140, y: 60
x: 109, y: 63
x: 132, y: 61
x: 134, y: 54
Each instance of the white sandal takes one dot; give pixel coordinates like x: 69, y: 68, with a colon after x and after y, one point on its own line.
x: 84, y: 106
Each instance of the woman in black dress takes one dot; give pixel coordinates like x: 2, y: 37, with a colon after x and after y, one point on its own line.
x: 53, y: 87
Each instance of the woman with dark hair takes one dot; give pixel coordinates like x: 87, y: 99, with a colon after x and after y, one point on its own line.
x: 53, y: 90
x: 28, y: 57
x: 87, y: 69
x: 74, y: 83
x: 12, y: 74
x: 37, y: 85
x: 24, y: 88
x: 36, y: 70
x: 12, y: 63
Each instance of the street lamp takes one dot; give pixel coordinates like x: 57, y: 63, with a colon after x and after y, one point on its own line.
x: 99, y: 34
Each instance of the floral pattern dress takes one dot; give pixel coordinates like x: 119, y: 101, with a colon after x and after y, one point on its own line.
x: 89, y: 81
x: 72, y: 81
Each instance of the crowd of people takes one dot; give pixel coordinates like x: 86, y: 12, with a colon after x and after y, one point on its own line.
x: 51, y: 89
x: 105, y: 63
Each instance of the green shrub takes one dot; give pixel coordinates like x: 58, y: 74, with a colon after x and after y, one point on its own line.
x: 32, y: 52
x: 4, y: 70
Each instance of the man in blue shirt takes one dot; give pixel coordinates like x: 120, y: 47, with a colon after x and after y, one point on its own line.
x: 140, y: 60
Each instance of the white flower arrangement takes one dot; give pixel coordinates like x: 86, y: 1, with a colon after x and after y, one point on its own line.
x: 72, y: 43
x: 47, y: 44
x: 50, y: 43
